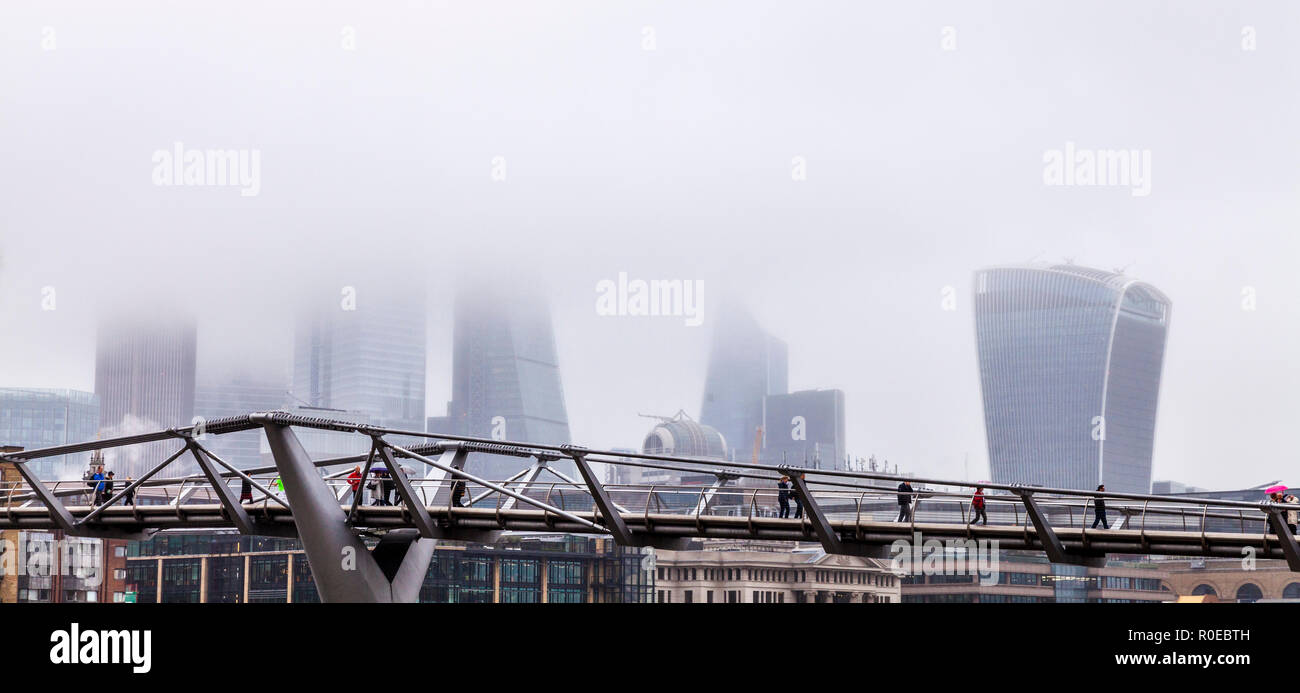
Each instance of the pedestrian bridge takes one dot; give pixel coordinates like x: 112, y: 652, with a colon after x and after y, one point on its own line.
x: 846, y: 512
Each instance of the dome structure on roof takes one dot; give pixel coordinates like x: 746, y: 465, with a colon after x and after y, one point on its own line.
x: 682, y: 436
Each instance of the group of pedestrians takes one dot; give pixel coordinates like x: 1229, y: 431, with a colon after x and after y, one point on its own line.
x: 101, y: 484
x: 382, y: 486
x: 979, y: 510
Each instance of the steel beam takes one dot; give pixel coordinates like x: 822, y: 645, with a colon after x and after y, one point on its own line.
x: 419, y: 513
x: 462, y: 474
x: 1052, y: 545
x: 825, y: 533
x: 1285, y: 538
x: 229, y: 501
x: 453, y: 457
x: 706, y: 499
x: 58, y: 513
x: 341, y: 565
x: 608, y: 513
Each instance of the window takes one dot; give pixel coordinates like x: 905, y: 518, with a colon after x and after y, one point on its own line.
x: 1249, y: 592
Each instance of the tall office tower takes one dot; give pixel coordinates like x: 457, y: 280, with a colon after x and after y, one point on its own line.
x: 144, y: 377
x: 236, y: 395
x: 364, y: 355
x: 746, y: 364
x: 805, y: 428
x: 34, y: 418
x: 505, y: 375
x: 1070, y: 362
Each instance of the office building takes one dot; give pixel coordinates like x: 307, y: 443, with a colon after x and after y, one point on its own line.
x: 226, y: 567
x: 505, y: 376
x: 1070, y: 361
x: 746, y: 364
x: 787, y: 575
x: 235, y: 396
x: 144, y: 378
x: 805, y: 428
x: 366, y: 355
x: 36, y: 418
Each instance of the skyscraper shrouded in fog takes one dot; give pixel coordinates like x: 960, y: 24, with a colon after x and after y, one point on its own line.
x: 1070, y: 361
x: 746, y: 364
x: 505, y: 375
x: 364, y: 353
x: 144, y: 377
x: 234, y: 395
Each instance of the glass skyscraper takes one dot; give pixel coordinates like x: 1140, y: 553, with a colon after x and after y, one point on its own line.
x: 369, y: 359
x: 505, y: 376
x: 1070, y: 362
x: 746, y: 364
x: 33, y: 418
x: 234, y: 396
x: 144, y: 377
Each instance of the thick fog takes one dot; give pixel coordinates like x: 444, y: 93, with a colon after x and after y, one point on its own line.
x: 842, y: 168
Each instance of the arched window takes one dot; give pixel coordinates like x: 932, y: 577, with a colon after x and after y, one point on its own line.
x: 1205, y: 589
x: 1292, y: 591
x: 1249, y: 592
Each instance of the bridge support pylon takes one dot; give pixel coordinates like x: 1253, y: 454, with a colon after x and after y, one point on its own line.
x: 343, y: 568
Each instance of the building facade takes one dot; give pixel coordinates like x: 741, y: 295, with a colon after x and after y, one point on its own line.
x: 36, y: 418
x: 805, y: 428
x: 144, y: 377
x: 212, y: 567
x: 767, y: 575
x: 1070, y: 361
x: 1228, y: 579
x: 1031, y: 578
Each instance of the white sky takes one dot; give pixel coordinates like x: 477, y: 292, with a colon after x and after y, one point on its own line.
x: 923, y: 165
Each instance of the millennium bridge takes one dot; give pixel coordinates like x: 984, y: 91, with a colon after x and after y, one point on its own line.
x: 366, y: 552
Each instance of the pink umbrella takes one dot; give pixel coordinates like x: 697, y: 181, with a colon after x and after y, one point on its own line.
x: 1275, y: 489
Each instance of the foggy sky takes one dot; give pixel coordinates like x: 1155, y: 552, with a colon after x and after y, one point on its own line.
x: 923, y: 165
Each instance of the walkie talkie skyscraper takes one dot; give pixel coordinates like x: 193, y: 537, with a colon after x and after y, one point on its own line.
x: 1070, y: 361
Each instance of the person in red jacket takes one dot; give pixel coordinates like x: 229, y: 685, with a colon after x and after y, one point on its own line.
x: 354, y: 480
x: 977, y: 506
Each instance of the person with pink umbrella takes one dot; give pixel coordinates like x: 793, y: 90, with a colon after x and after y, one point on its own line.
x: 1292, y: 516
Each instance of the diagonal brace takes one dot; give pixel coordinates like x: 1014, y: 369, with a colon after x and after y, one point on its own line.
x: 419, y: 513
x: 1052, y: 545
x: 612, y: 518
x: 1284, y: 537
x: 58, y: 512
x: 229, y: 501
x: 825, y: 533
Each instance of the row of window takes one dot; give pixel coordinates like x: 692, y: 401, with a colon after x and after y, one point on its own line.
x: 843, y: 577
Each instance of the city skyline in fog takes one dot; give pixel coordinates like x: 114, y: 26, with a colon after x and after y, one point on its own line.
x: 843, y: 173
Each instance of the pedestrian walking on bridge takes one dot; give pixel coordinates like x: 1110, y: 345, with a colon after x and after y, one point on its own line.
x: 1099, y: 511
x: 783, y: 496
x: 977, y: 507
x: 904, y: 502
